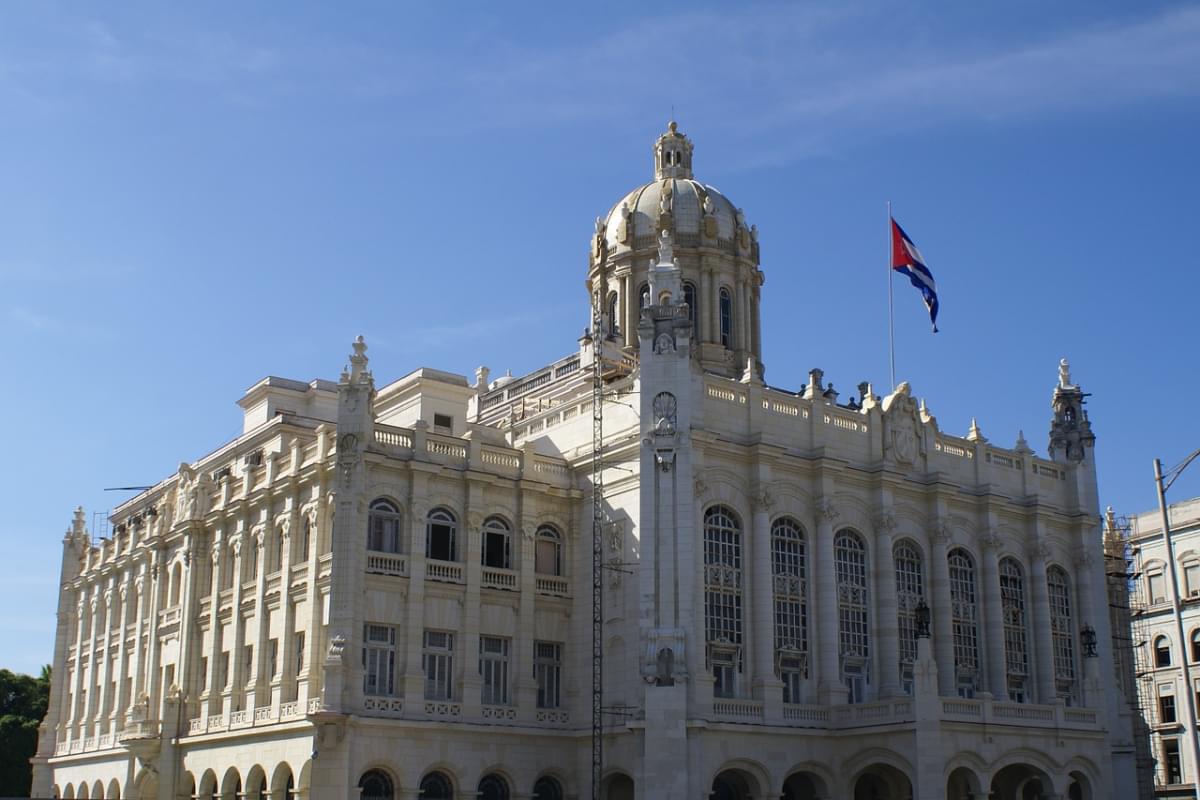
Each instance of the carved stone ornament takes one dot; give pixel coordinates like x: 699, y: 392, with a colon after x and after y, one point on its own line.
x: 664, y: 344
x: 990, y: 540
x: 884, y: 522
x: 828, y: 509
x: 529, y: 532
x: 1083, y: 558
x: 941, y: 532
x: 762, y: 501
x: 1040, y: 550
x: 337, y: 648
x: 699, y: 487
x: 901, y: 425
x: 283, y: 525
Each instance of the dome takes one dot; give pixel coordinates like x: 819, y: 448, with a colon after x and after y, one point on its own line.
x: 697, y: 214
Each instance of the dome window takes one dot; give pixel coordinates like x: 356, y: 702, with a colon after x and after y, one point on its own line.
x: 726, y: 319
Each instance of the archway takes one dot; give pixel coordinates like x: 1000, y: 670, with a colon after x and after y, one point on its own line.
x: 376, y: 785
x: 1080, y: 788
x: 734, y: 784
x: 617, y: 786
x: 804, y: 786
x: 493, y: 787
x: 83, y: 794
x: 962, y: 784
x: 207, y: 789
x: 437, y: 786
x: 1020, y: 782
x: 547, y: 788
x: 231, y: 785
x: 882, y: 782
x: 114, y: 790
x: 256, y: 784
x: 97, y: 790
x: 282, y: 783
x: 147, y: 786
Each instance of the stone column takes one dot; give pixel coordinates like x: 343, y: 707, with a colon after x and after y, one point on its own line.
x: 287, y: 636
x: 943, y: 626
x: 993, y: 618
x: 73, y: 713
x: 739, y: 315
x: 118, y: 707
x: 886, y: 616
x: 466, y: 650
x: 89, y: 707
x: 524, y: 694
x: 755, y: 320
x: 310, y: 676
x: 704, y: 301
x: 154, y: 649
x: 829, y: 684
x: 714, y: 298
x: 1087, y: 616
x: 232, y: 689
x: 412, y: 685
x: 212, y: 691
x: 1043, y: 647
x: 141, y: 584
x: 104, y: 701
x: 629, y: 306
x: 761, y: 583
x: 256, y: 693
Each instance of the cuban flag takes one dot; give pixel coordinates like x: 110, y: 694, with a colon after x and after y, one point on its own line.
x: 907, y: 260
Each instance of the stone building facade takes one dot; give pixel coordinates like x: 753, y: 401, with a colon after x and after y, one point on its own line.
x: 386, y: 591
x: 1166, y: 667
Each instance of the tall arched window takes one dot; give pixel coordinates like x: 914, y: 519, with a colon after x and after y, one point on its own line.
x: 441, y: 536
x: 850, y: 566
x: 644, y: 296
x: 436, y: 786
x: 1016, y: 647
x: 497, y: 544
x: 689, y: 297
x: 963, y: 615
x: 383, y: 532
x: 789, y: 572
x: 614, y: 321
x: 1061, y: 632
x: 723, y: 596
x: 726, y: 303
x: 1162, y: 652
x: 910, y: 589
x: 547, y: 557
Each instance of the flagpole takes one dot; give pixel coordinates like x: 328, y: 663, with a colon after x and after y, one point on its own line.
x: 891, y: 303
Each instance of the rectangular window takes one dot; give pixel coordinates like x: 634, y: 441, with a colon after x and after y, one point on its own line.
x: 547, y: 673
x: 723, y: 669
x: 443, y: 423
x: 273, y: 663
x: 1158, y: 587
x: 203, y: 674
x: 248, y: 662
x: 791, y: 672
x: 223, y: 671
x: 437, y: 662
x: 1191, y: 579
x: 379, y: 659
x: 493, y: 668
x: 299, y: 652
x: 1166, y: 708
x: 1172, y: 765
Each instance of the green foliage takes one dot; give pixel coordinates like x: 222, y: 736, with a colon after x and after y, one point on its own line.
x: 23, y: 702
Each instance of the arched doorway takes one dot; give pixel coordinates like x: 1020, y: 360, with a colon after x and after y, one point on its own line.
x: 1020, y: 782
x: 618, y: 786
x: 547, y: 788
x: 436, y: 786
x: 492, y: 787
x: 804, y: 786
x: 882, y: 782
x: 1080, y: 788
x: 375, y: 785
x: 962, y: 784
x: 734, y: 784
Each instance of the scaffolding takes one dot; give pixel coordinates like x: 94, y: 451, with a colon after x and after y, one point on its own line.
x: 1130, y: 626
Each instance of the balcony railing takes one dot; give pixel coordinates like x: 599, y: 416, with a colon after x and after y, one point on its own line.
x: 444, y: 571
x: 494, y: 578
x: 555, y: 587
x: 387, y: 564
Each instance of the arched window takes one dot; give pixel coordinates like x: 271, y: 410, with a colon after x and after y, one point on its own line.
x: 375, y: 785
x: 1016, y: 647
x: 1196, y: 645
x: 789, y: 572
x: 850, y: 568
x: 441, y: 535
x: 492, y: 787
x: 644, y: 296
x: 726, y: 319
x: 614, y: 321
x: 277, y: 555
x: 436, y: 786
x: 723, y: 596
x: 383, y: 533
x: 547, y: 788
x: 689, y: 297
x: 963, y: 615
x: 176, y: 583
x: 1162, y: 652
x: 305, y: 537
x: 1061, y: 632
x: 547, y: 557
x: 910, y: 590
x: 497, y: 544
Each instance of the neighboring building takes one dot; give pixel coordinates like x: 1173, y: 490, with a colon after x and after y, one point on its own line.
x: 1161, y: 658
x: 388, y: 592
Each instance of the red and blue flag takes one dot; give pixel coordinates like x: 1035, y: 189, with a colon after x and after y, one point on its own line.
x: 907, y: 260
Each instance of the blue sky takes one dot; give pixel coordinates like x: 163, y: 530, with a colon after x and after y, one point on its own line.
x: 196, y: 196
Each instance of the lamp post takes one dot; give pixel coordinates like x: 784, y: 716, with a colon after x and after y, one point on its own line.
x: 1163, y: 483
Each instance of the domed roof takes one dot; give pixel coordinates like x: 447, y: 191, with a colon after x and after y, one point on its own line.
x: 698, y: 214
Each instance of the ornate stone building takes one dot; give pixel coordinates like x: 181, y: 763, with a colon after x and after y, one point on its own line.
x: 386, y: 592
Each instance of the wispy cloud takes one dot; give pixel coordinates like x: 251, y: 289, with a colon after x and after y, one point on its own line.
x: 26, y: 320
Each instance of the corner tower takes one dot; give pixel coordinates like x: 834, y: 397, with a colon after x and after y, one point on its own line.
x: 715, y: 248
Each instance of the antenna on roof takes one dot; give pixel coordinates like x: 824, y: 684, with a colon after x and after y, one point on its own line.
x: 128, y: 488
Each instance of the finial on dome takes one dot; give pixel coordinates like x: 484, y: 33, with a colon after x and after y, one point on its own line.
x: 672, y: 154
x: 672, y: 126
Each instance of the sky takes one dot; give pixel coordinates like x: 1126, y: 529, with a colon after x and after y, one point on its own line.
x: 194, y: 196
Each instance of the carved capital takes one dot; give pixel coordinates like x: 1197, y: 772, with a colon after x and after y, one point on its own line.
x: 260, y: 535
x: 884, y: 522
x: 475, y: 520
x: 699, y: 487
x: 283, y: 524
x: 1039, y: 550
x: 1084, y: 558
x: 529, y: 531
x: 940, y: 534
x: 216, y: 553
x: 828, y: 510
x: 990, y: 540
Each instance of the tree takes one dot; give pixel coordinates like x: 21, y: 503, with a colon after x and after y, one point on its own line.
x: 23, y: 703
